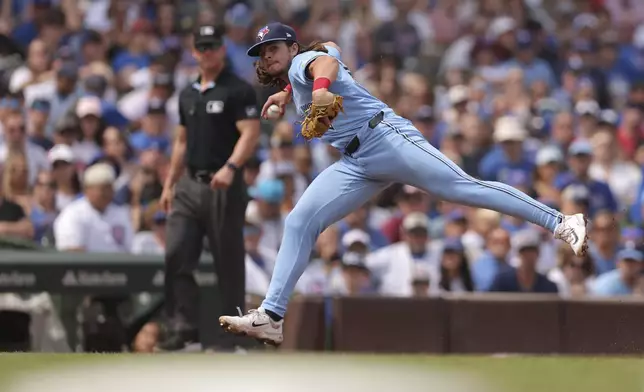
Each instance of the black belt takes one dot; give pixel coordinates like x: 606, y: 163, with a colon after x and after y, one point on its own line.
x: 353, y: 145
x: 202, y: 176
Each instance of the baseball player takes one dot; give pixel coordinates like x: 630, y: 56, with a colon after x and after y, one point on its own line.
x: 379, y: 147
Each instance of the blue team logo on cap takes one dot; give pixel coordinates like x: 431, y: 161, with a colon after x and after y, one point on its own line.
x: 262, y: 33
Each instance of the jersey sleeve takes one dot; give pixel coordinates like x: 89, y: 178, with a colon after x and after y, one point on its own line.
x: 247, y: 105
x: 333, y: 52
x: 297, y: 72
x: 182, y: 114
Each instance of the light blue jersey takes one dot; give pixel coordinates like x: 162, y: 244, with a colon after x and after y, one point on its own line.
x: 388, y: 149
x: 359, y: 105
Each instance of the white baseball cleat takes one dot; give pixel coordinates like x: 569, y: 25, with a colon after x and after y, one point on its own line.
x: 572, y: 230
x: 255, y: 324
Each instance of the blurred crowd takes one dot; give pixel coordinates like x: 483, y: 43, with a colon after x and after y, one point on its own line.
x: 547, y: 96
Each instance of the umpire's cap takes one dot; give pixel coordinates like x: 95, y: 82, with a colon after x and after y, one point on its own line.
x: 270, y: 33
x: 208, y: 36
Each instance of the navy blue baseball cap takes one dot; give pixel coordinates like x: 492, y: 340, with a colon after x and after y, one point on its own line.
x: 270, y: 33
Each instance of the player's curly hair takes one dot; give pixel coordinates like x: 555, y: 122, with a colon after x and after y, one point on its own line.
x: 267, y: 80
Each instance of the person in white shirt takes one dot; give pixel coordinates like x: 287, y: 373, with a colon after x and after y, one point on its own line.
x: 260, y: 260
x: 62, y: 160
x: 281, y: 160
x: 622, y: 177
x: 93, y: 223
x: 134, y: 105
x: 152, y: 241
x: 36, y: 68
x: 394, y: 265
x: 324, y: 271
x: 15, y: 138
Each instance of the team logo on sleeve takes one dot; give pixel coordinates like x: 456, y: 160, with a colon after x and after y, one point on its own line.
x: 251, y: 111
x: 262, y: 33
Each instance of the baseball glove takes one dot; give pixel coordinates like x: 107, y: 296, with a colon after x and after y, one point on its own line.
x: 312, y: 126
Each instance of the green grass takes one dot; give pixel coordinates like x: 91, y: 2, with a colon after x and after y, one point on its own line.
x: 511, y: 374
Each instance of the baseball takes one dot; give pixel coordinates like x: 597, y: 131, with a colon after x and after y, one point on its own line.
x: 273, y: 112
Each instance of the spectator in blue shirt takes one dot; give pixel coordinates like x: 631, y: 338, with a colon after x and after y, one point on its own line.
x: 238, y: 19
x: 534, y: 69
x: 605, y: 242
x: 580, y: 158
x: 151, y: 134
x: 47, y: 23
x: 616, y: 73
x: 135, y: 56
x: 524, y: 278
x: 624, y: 279
x: 43, y: 210
x: 96, y: 85
x: 493, y: 261
x: 508, y: 163
x: 36, y: 121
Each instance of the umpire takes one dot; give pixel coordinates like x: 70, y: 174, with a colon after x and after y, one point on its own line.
x: 204, y: 193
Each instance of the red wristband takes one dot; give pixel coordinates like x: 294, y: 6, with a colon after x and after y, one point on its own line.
x: 288, y: 88
x: 321, y: 83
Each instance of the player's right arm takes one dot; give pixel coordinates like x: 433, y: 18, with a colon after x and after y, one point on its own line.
x: 176, y: 165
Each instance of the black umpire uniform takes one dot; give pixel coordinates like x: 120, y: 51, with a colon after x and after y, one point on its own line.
x: 209, y: 115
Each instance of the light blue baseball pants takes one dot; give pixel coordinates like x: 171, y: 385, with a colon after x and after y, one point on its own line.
x: 394, y: 151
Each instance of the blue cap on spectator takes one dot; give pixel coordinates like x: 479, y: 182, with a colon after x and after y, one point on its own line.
x: 141, y: 141
x: 634, y: 234
x: 456, y: 215
x: 630, y: 254
x: 524, y: 39
x: 68, y: 70
x: 96, y: 84
x: 41, y: 105
x: 453, y: 244
x: 239, y: 16
x: 582, y: 46
x: 42, y: 3
x: 159, y: 217
x: 65, y: 53
x: 9, y: 103
x: 270, y: 33
x: 271, y: 191
x: 92, y: 37
x: 580, y: 147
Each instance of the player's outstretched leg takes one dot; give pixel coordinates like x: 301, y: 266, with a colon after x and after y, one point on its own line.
x: 420, y: 164
x: 338, y: 190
